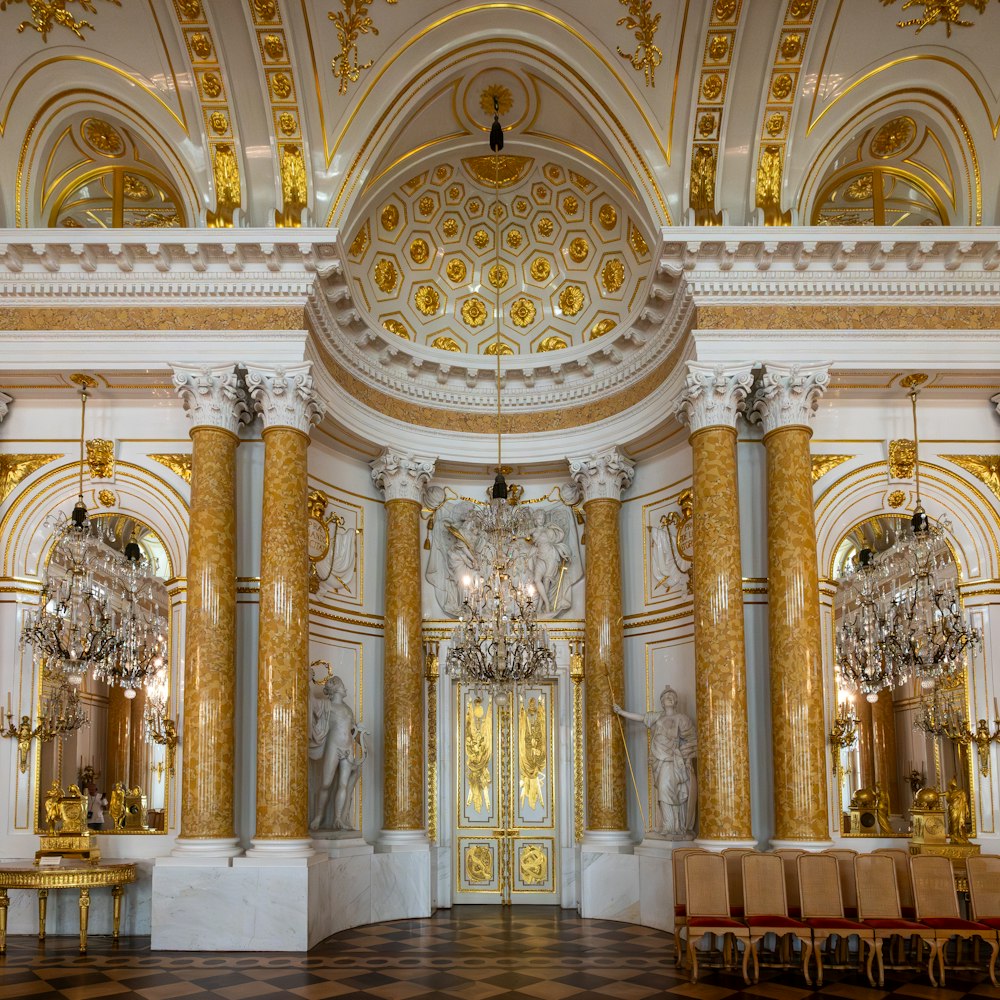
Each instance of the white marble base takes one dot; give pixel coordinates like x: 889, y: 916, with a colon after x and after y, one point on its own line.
x: 656, y: 883
x: 266, y: 902
x: 214, y: 847
x: 63, y: 910
x: 609, y: 885
x: 280, y: 849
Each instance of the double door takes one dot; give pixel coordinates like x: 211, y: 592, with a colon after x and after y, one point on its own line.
x: 506, y: 838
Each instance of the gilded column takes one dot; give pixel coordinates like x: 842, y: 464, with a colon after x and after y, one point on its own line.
x: 710, y: 404
x: 785, y: 403
x: 118, y: 738
x: 883, y: 716
x: 288, y: 408
x: 602, y: 479
x: 402, y: 477
x: 137, y: 742
x: 216, y: 403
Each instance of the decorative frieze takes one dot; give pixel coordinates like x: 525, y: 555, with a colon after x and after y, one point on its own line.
x: 5, y: 402
x: 284, y: 396
x: 401, y: 475
x: 605, y: 475
x: 213, y: 396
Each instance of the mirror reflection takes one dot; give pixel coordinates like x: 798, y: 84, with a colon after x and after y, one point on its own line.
x: 108, y: 744
x: 887, y: 749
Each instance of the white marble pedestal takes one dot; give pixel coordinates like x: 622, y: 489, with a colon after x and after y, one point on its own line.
x: 285, y: 904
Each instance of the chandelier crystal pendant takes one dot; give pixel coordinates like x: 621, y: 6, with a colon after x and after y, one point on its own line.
x: 141, y: 647
x: 929, y: 637
x: 73, y: 630
x: 498, y: 644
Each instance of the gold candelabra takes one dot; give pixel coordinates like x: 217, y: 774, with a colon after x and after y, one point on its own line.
x: 984, y: 736
x: 24, y: 733
x: 844, y: 731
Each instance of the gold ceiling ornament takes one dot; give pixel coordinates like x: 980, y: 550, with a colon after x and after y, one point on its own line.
x: 107, y: 498
x: 386, y: 276
x: 902, y: 457
x: 47, y: 14
x: 601, y: 327
x: 583, y: 183
x: 426, y: 205
x: 352, y: 21
x: 578, y: 250
x: 419, y: 251
x: 102, y: 137
x: 450, y: 227
x: 896, y: 499
x: 544, y: 227
x: 101, y: 458
x: 396, y: 327
x: 501, y: 349
x: 445, y: 344
x: 637, y: 241
x: 390, y: 217
x: 540, y: 269
x: 274, y: 46
x: 427, y: 299
x: 613, y: 275
x: 523, y: 312
x: 607, y: 216
x: 179, y: 463
x: 791, y: 45
x: 481, y: 238
x: 361, y: 242
x: 287, y: 123
x: 775, y: 124
x: 571, y: 300
x: 211, y: 85
x: 706, y: 124
x: 500, y: 94
x: 505, y: 169
x: 860, y: 189
x: 474, y: 312
x: 265, y: 10
x: 712, y: 87
x: 702, y: 189
x: 986, y: 468
x: 718, y: 47
x: 294, y: 188
x: 219, y: 122
x: 16, y: 468
x: 499, y: 276
x: 552, y: 344
x: 643, y: 23
x: 456, y: 270
x: 822, y: 464
x: 281, y: 86
x: 201, y: 45
x: 781, y: 87
x: 893, y: 136
x: 135, y: 188
x: 946, y: 12
x: 228, y: 194
x: 514, y: 238
x: 768, y: 193
x: 570, y: 205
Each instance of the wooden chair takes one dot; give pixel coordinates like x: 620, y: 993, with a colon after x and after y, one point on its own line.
x: 789, y: 858
x: 878, y: 908
x: 937, y: 907
x: 680, y: 897
x: 734, y: 875
x: 823, y: 910
x: 766, y: 908
x: 707, y: 893
x: 984, y: 889
x: 901, y: 859
x: 848, y: 885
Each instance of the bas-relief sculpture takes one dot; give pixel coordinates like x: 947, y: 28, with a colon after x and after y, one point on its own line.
x: 548, y: 555
x: 337, y: 752
x: 672, y: 753
x: 671, y: 549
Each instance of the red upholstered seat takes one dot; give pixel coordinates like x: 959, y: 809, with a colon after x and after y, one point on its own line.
x: 954, y: 924
x: 776, y: 920
x: 680, y: 910
x: 715, y: 922
x: 836, y: 923
x: 892, y: 924
x: 993, y: 922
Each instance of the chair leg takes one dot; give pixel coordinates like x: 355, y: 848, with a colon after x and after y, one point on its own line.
x: 881, y: 964
x: 692, y: 957
x: 871, y: 957
x: 806, y: 952
x: 678, y: 954
x: 994, y: 949
x: 817, y: 953
x: 930, y: 963
x: 746, y: 957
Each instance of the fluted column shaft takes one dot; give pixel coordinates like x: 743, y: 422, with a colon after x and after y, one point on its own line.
x: 402, y: 477
x: 284, y: 400
x: 216, y: 406
x: 785, y: 401
x: 710, y: 405
x: 602, y: 478
x: 883, y: 732
x: 118, y: 737
x: 137, y: 742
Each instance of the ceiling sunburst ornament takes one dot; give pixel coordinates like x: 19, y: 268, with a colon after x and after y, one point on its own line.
x: 644, y: 24
x: 48, y: 14
x: 505, y: 169
x: 501, y: 95
x: 946, y: 12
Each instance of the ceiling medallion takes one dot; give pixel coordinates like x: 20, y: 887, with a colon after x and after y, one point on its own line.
x: 893, y: 136
x: 601, y: 327
x: 544, y: 227
x: 445, y: 344
x: 571, y: 300
x: 496, y: 92
x: 540, y: 269
x: 427, y: 299
x: 860, y: 189
x: 481, y: 238
x: 386, y: 276
x: 450, y: 228
x: 578, y: 250
x: 896, y: 499
x: 390, y: 217
x: 552, y: 344
x: 361, y: 241
x: 219, y: 123
x: 474, y: 312
x: 135, y: 188
x: 419, y: 251
x: 394, y: 326
x: 499, y: 276
x: 613, y: 275
x: 508, y: 169
x: 456, y: 270
x: 514, y: 238
x: 102, y: 137
x: 570, y: 205
x: 498, y: 349
x: 522, y: 312
x: 607, y: 216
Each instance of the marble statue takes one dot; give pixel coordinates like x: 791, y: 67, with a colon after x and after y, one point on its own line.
x: 672, y: 753
x: 337, y: 750
x: 545, y: 553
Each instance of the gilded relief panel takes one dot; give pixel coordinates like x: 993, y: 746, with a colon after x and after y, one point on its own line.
x: 336, y: 548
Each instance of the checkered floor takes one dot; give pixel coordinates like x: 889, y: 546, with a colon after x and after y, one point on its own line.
x: 471, y: 952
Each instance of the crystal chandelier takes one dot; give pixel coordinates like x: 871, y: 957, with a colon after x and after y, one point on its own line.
x: 498, y: 643
x: 928, y: 637
x: 73, y: 630
x: 141, y: 646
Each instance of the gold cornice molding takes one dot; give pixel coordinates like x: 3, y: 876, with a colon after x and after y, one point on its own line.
x: 466, y: 422
x: 848, y: 317
x: 152, y: 317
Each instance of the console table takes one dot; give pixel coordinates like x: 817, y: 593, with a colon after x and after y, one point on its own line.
x: 26, y: 875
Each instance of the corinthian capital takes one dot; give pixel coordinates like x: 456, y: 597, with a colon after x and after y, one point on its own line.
x: 400, y: 475
x: 713, y: 395
x: 284, y: 397
x: 788, y: 395
x: 5, y: 402
x: 605, y: 475
x: 213, y: 396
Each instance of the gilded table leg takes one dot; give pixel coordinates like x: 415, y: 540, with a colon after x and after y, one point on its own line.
x: 117, y: 891
x: 84, y: 915
x: 43, y: 898
x: 4, y: 903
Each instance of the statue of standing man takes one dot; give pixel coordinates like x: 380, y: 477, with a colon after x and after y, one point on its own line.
x: 336, y: 744
x: 672, y: 753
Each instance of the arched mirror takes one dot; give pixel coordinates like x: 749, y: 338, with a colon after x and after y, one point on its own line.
x: 887, y: 751
x: 111, y: 756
